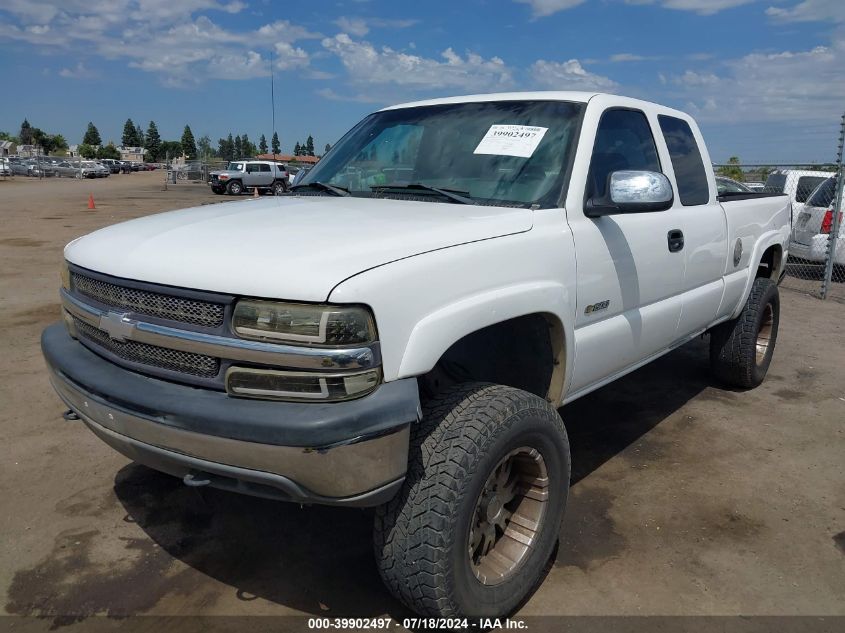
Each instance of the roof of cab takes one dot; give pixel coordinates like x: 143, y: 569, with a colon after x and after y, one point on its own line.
x: 547, y: 95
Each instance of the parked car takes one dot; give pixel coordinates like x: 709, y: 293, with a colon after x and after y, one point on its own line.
x: 24, y: 167
x: 5, y: 168
x: 67, y: 169
x: 111, y: 164
x: 247, y: 175
x: 300, y: 174
x: 406, y: 345
x: 798, y: 184
x: 811, y: 233
x: 728, y: 185
x: 96, y: 168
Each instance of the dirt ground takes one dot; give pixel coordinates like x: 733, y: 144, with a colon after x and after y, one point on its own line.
x: 686, y: 499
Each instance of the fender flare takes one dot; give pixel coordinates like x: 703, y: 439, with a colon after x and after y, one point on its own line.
x: 765, y: 241
x: 435, y: 333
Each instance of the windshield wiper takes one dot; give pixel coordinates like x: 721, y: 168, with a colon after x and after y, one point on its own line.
x: 324, y: 186
x: 462, y: 197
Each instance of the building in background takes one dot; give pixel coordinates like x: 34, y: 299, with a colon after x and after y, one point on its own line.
x: 8, y: 148
x: 133, y: 154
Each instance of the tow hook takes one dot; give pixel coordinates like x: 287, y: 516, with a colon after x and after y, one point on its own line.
x: 196, y: 480
x: 70, y: 415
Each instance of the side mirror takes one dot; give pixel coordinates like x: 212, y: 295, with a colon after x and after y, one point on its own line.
x: 632, y: 192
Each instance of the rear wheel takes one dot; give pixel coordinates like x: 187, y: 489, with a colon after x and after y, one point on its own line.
x: 741, y: 349
x: 478, y: 516
x: 279, y: 187
x: 235, y: 187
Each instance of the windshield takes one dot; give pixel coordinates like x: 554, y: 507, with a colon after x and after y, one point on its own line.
x: 235, y: 167
x: 824, y: 194
x: 508, y: 152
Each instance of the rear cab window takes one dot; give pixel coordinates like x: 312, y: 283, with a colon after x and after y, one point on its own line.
x: 690, y: 175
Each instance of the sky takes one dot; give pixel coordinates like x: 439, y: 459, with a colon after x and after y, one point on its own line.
x: 764, y: 78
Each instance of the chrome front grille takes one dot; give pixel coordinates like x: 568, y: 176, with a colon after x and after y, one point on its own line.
x: 163, y: 306
x: 152, y: 355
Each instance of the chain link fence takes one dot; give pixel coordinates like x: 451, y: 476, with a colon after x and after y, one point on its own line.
x: 816, y: 263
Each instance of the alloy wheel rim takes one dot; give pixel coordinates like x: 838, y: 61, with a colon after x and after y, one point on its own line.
x: 764, y: 334
x: 508, y: 516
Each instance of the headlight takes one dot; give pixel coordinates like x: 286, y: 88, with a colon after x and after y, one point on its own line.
x: 65, y: 274
x: 275, y: 384
x: 302, y: 323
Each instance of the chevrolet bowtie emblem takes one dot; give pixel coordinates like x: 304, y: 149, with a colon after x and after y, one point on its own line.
x: 117, y: 326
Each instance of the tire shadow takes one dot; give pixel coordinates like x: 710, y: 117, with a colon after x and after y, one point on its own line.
x: 319, y: 560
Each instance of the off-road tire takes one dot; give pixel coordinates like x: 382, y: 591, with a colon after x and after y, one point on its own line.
x: 279, y: 187
x: 235, y: 188
x: 734, y: 358
x: 421, y: 535
x: 218, y: 190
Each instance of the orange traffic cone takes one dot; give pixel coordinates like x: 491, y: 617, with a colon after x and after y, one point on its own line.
x: 255, y: 192
x: 91, y: 201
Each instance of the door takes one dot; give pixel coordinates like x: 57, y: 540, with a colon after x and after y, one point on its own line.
x: 701, y: 219
x: 630, y: 265
x: 265, y: 175
x: 252, y: 175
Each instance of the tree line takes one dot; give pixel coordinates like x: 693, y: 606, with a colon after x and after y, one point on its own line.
x: 29, y: 135
x: 155, y: 149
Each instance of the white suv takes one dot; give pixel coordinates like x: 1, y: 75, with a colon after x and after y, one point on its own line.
x: 249, y: 175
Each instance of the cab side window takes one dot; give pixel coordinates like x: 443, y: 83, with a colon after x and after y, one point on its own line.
x: 252, y: 168
x: 690, y: 175
x: 623, y: 141
x: 263, y: 167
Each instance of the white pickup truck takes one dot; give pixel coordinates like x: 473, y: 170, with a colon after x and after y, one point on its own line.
x: 400, y: 329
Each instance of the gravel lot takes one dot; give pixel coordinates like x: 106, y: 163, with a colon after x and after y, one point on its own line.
x: 686, y: 498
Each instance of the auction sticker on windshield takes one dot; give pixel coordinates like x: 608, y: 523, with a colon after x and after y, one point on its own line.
x: 511, y: 140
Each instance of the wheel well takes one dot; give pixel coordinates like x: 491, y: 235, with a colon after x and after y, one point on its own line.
x: 769, y: 265
x: 525, y: 352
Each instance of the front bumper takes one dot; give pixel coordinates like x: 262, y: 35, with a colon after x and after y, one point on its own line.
x: 348, y: 453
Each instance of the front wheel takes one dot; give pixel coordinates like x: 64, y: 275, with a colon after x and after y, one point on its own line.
x: 478, y: 516
x: 741, y: 349
x: 235, y: 188
x: 218, y: 190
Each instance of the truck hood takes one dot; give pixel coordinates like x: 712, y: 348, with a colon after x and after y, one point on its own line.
x: 295, y: 248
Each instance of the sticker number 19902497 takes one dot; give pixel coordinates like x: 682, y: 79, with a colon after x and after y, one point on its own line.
x: 511, y: 140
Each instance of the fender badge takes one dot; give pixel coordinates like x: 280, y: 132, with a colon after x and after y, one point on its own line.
x: 738, y: 251
x: 596, y: 307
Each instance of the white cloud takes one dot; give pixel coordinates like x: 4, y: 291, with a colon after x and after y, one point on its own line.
x: 810, y: 11
x: 172, y: 38
x: 631, y: 57
x: 692, y: 78
x: 80, y: 71
x: 790, y: 86
x: 569, y: 75
x: 542, y: 8
x: 361, y: 26
x: 367, y: 65
x: 353, y: 26
x: 702, y: 7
